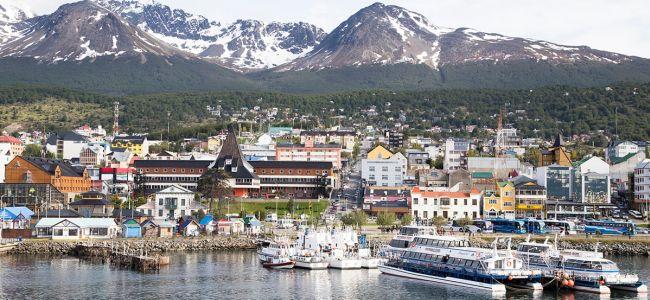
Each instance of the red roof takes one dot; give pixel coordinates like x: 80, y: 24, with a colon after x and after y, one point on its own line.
x: 10, y: 139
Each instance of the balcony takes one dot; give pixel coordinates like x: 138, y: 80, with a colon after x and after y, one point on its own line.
x: 171, y: 206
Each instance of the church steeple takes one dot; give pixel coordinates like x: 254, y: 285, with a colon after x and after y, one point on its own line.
x: 558, y: 141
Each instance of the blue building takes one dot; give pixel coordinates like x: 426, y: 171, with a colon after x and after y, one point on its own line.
x: 131, y: 229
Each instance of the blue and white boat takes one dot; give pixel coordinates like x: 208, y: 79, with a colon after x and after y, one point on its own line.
x: 580, y: 270
x: 453, y: 261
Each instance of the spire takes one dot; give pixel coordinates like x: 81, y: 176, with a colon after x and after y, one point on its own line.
x: 558, y: 141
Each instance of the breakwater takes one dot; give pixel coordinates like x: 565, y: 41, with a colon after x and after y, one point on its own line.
x: 53, y: 247
x: 637, y: 246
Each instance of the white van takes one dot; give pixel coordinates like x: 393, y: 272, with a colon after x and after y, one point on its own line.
x: 271, y: 218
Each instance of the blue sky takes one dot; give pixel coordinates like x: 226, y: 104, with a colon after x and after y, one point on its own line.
x: 614, y: 25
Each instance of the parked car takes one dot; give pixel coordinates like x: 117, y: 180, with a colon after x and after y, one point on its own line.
x: 635, y: 214
x: 472, y: 229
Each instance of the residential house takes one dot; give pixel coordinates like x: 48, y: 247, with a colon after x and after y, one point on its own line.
x: 208, y: 224
x: 620, y: 149
x: 451, y: 205
x: 190, y: 227
x: 5, y: 158
x: 417, y: 159
x: 157, y: 228
x: 77, y: 228
x: 252, y: 225
x: 171, y: 203
x: 345, y: 138
x: 93, y: 204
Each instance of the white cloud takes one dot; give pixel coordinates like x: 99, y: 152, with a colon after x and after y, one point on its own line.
x: 619, y: 26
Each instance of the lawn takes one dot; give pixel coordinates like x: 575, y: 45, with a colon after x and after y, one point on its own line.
x: 282, y: 207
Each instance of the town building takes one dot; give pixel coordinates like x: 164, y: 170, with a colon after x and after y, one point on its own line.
x: 591, y: 181
x: 554, y: 155
x: 42, y: 182
x: 293, y: 179
x: 384, y: 170
x: 417, y: 159
x: 642, y: 186
x: 394, y: 138
x: 345, y: 138
x: 66, y: 145
x: 138, y: 145
x: 432, y: 178
x: 77, y: 228
x: 557, y: 181
x: 93, y: 205
x: 499, y: 202
x: 92, y: 155
x: 500, y: 167
x: 5, y: 158
x: 374, y: 194
x: 309, y: 151
x: 619, y: 149
x: 455, y: 154
x: 157, y: 175
x: 15, y: 145
x: 171, y: 203
x: 237, y: 171
x: 449, y: 204
x: 530, y: 198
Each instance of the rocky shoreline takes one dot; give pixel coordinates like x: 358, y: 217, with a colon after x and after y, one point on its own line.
x: 622, y: 247
x: 160, y: 245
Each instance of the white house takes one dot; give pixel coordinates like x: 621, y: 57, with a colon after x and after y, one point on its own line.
x: 171, y: 203
x: 384, y: 171
x: 621, y: 149
x: 77, y: 228
x: 451, y: 205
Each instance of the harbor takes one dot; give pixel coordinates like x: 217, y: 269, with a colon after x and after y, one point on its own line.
x: 237, y: 274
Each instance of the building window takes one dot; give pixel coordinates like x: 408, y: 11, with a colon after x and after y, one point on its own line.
x: 160, y: 213
x: 415, y: 201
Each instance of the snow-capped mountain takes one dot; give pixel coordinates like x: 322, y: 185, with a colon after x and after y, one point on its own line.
x: 11, y: 17
x: 244, y: 45
x: 250, y: 44
x: 80, y: 31
x: 387, y: 34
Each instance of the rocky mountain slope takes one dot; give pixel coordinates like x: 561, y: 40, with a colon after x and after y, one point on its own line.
x: 388, y: 34
x: 244, y: 45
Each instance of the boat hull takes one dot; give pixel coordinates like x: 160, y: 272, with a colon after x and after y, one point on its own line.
x: 280, y: 265
x: 345, y: 264
x: 496, y: 288
x: 370, y: 263
x: 312, y: 265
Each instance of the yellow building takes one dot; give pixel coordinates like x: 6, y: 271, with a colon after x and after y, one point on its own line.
x: 380, y: 152
x: 137, y: 145
x: 500, y: 202
x: 554, y: 155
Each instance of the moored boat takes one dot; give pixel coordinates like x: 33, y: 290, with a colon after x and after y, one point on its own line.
x: 585, y: 271
x: 279, y: 263
x: 452, y: 261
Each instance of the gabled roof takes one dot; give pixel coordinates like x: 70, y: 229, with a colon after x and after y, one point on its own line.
x: 482, y: 175
x: 80, y: 222
x: 174, y: 189
x: 206, y: 220
x: 49, y: 165
x: 154, y: 163
x: 230, y: 158
x: 11, y: 213
x: 10, y: 139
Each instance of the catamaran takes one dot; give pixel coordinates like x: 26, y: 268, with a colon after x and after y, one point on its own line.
x: 580, y: 270
x: 402, y: 240
x: 452, y: 260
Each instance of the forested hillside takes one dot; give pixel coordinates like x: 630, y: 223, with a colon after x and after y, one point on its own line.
x: 535, y: 112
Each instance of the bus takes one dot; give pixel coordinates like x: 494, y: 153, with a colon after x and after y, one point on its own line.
x: 561, y: 227
x: 534, y: 226
x: 508, y: 226
x: 599, y: 227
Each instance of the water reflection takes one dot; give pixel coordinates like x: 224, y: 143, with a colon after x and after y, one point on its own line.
x: 238, y: 275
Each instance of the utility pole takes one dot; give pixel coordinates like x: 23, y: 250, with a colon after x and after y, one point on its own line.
x: 116, y: 118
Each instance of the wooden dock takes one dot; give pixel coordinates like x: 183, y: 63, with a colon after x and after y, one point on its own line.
x: 122, y: 258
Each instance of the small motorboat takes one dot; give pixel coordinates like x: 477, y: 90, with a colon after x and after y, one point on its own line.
x: 279, y: 263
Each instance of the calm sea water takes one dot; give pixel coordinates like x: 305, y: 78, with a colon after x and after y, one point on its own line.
x: 235, y: 275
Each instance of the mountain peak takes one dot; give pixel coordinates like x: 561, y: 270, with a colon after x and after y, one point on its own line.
x: 83, y: 30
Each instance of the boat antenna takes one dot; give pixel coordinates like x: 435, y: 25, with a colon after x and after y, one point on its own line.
x: 528, y: 238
